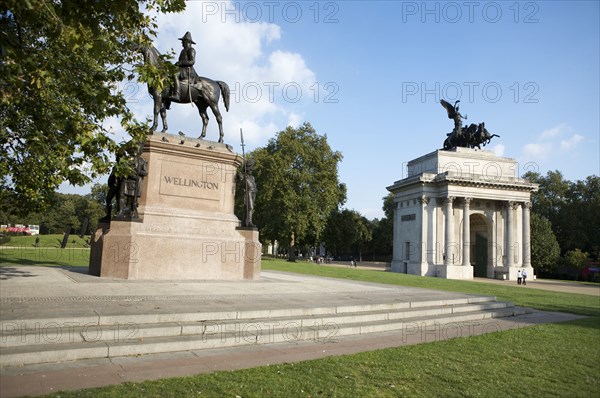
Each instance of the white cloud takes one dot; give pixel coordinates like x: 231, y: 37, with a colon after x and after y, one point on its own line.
x: 570, y: 142
x: 551, y: 142
x: 556, y: 131
x: 294, y: 120
x: 537, y: 150
x: 499, y: 150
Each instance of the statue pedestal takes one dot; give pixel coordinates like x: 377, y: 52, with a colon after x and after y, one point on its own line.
x: 186, y: 227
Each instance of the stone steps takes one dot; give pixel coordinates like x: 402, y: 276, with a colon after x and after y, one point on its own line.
x: 35, y: 341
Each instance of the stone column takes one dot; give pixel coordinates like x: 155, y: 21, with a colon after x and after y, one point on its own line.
x: 449, y: 231
x: 466, y: 244
x: 508, y: 250
x: 397, y: 260
x: 526, y: 235
x: 423, y: 244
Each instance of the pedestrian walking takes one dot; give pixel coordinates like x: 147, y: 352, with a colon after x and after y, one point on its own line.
x: 519, y: 277
x: 524, y: 273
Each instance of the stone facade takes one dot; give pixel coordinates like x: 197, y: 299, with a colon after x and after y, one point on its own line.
x: 187, y: 228
x: 462, y: 213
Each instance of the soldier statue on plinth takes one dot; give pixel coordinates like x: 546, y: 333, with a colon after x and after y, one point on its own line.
x: 126, y: 189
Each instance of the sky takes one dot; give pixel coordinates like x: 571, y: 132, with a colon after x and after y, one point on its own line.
x: 370, y: 75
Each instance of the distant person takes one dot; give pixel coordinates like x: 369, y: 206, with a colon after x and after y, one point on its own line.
x: 524, y: 273
x: 519, y: 277
x: 37, y: 241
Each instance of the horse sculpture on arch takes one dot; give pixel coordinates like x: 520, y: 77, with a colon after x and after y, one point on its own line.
x: 203, y: 92
x: 474, y: 135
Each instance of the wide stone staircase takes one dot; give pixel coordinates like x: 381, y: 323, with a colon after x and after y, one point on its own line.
x: 43, y: 340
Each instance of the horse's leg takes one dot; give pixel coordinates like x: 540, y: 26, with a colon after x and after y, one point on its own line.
x: 202, y: 110
x: 157, y: 106
x: 163, y: 115
x: 215, y: 108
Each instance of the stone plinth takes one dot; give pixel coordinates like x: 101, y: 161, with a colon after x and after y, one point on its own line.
x: 455, y: 272
x: 186, y: 227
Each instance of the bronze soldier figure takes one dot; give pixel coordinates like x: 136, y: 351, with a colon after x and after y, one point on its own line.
x: 187, y: 59
x: 249, y: 193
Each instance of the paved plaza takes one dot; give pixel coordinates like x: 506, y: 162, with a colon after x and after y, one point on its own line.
x: 29, y: 294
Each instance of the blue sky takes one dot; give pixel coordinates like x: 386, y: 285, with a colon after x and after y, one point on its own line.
x: 370, y: 75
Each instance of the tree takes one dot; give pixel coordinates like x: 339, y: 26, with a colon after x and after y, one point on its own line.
x: 297, y: 178
x: 552, y: 192
x: 550, y: 199
x: 581, y: 217
x: 571, y: 208
x: 383, y: 231
x: 576, y: 259
x: 89, y: 211
x: 545, y: 250
x: 98, y: 193
x: 60, y: 62
x: 62, y: 212
x: 346, y: 231
x: 364, y: 232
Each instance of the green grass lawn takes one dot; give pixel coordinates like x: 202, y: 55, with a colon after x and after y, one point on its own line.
x: 559, y: 360
x: 21, y: 250
x: 53, y: 240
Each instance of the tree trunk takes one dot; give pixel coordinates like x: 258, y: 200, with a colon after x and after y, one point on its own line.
x: 292, y: 254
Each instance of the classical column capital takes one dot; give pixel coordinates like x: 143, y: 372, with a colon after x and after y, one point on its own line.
x: 424, y: 200
x: 526, y: 205
x: 467, y: 201
x: 448, y: 199
x: 511, y: 204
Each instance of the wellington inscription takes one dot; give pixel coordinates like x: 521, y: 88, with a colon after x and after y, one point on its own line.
x: 192, y: 182
x: 188, y: 182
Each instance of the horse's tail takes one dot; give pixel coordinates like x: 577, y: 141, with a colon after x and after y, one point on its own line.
x: 225, y: 92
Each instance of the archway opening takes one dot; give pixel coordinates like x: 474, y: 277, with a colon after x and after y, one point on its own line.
x: 479, y: 245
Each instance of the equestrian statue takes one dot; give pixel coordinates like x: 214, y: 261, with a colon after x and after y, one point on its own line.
x: 187, y: 87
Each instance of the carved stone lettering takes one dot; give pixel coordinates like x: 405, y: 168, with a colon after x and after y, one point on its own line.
x: 202, y: 182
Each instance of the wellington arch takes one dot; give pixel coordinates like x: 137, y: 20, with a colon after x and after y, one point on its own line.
x: 462, y: 213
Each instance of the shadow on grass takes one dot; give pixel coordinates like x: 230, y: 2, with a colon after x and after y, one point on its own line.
x: 26, y: 261
x: 11, y: 272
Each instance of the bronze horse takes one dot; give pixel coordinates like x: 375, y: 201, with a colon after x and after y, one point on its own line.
x: 470, y: 137
x: 203, y: 92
